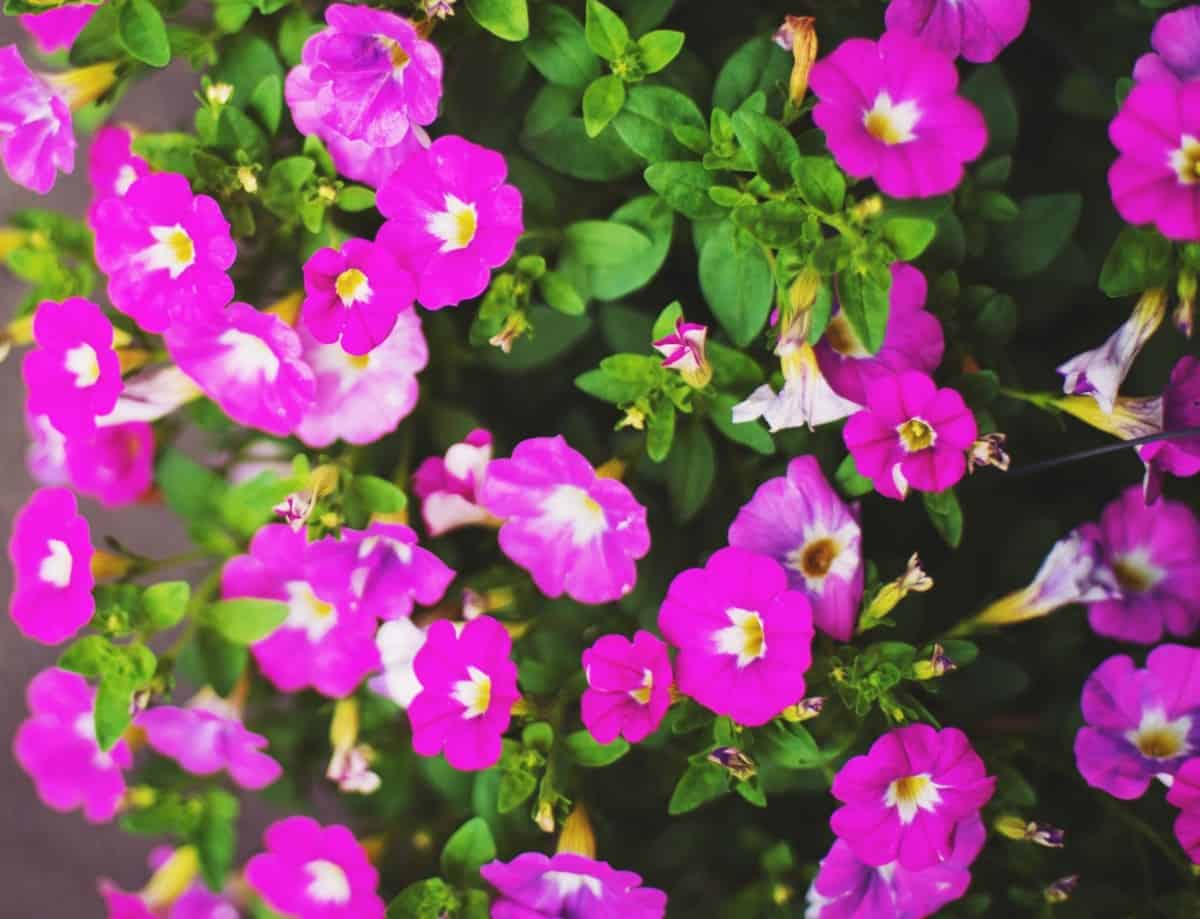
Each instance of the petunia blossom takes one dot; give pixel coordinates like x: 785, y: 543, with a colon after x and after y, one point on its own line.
x: 744, y: 638
x: 800, y: 521
x: 468, y: 688
x: 575, y: 532
x: 890, y: 112
x: 115, y: 464
x: 1185, y: 794
x: 570, y: 886
x: 628, y: 687
x: 174, y: 891
x: 46, y: 455
x: 399, y: 642
x: 204, y: 742
x: 1140, y: 723
x: 1176, y: 44
x: 449, y: 487
x: 976, y: 30
x: 56, y: 29
x: 1179, y: 409
x: 37, y: 140
x: 113, y: 167
x: 683, y: 352
x: 902, y: 801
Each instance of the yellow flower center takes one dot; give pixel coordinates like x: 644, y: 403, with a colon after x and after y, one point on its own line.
x: 743, y: 638
x: 398, y: 55
x: 351, y: 286
x: 916, y: 434
x: 455, y: 226
x: 474, y: 694
x: 1185, y: 160
x: 1156, y: 737
x: 1162, y: 743
x: 891, y: 122
x: 181, y: 247
x: 641, y: 695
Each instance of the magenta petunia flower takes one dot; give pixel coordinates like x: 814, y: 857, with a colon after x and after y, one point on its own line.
x: 683, y: 352
x: 73, y: 375
x: 629, y: 687
x: 890, y: 112
x: 451, y: 218
x: 46, y: 456
x: 165, y: 252
x: 250, y: 363
x: 353, y: 294
x: 204, y: 742
x: 115, y: 465
x: 1141, y: 724
x: 113, y: 167
x: 1180, y: 409
x: 569, y: 886
x: 744, y: 638
x: 903, y: 799
x: 449, y: 487
x: 51, y: 552
x: 848, y: 888
x: 911, y: 433
x: 575, y: 532
x: 913, y: 340
x: 468, y: 688
x: 57, y: 29
x: 321, y: 646
x: 1154, y: 553
x: 57, y: 747
x: 1176, y: 43
x: 399, y: 642
x: 360, y: 399
x: 1185, y: 794
x: 976, y: 30
x: 380, y: 569
x: 37, y: 139
x: 158, y: 900
x: 800, y: 521
x: 314, y: 872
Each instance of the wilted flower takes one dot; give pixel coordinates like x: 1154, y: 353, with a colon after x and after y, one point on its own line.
x: 1176, y: 43
x: 439, y: 9
x: 350, y: 765
x: 683, y: 350
x: 1060, y: 891
x: 988, y: 450
x: 1184, y: 316
x: 804, y: 710
x: 938, y: 664
x: 978, y: 31
x: 1042, y: 834
x: 449, y: 487
x: 914, y: 580
x: 150, y: 395
x: 806, y: 400
x: 735, y: 762
x: 798, y: 35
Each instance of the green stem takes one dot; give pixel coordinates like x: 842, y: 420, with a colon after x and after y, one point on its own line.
x: 1148, y: 833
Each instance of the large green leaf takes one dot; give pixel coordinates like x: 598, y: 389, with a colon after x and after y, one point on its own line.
x: 735, y: 276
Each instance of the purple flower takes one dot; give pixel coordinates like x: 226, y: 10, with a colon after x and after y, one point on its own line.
x: 51, y: 552
x: 398, y: 641
x: 848, y: 888
x: 113, y: 167
x: 57, y: 29
x: 451, y: 218
x: 1180, y: 409
x: 1100, y: 372
x: 913, y: 340
x: 1185, y: 794
x: 354, y: 294
x: 890, y: 112
x: 204, y: 742
x: 902, y: 801
x: 37, y: 140
x: 250, y: 363
x: 115, y: 465
x: 744, y: 638
x: 911, y: 433
x: 468, y: 688
x: 1176, y: 41
x: 327, y: 648
x: 46, y: 456
x: 800, y: 521
x: 165, y: 252
x: 569, y: 886
x: 73, y: 374
x: 1140, y: 723
x: 806, y: 400
x: 629, y: 687
x: 978, y: 30
x: 572, y: 530
x: 449, y: 488
x: 314, y: 872
x: 1154, y: 552
x: 360, y: 399
x: 57, y: 747
x: 683, y: 351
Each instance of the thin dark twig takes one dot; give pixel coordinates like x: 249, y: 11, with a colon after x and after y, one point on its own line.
x: 1031, y: 468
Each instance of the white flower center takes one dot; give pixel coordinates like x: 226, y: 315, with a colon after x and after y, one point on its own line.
x: 172, y: 251
x: 55, y: 568
x: 249, y: 356
x: 328, y: 883
x: 1185, y: 160
x: 892, y: 122
x: 474, y: 694
x: 912, y: 793
x: 569, y: 505
x: 84, y: 364
x: 568, y: 883
x: 1158, y: 738
x: 744, y: 638
x: 455, y: 226
x: 126, y: 176
x: 352, y: 287
x: 307, y: 611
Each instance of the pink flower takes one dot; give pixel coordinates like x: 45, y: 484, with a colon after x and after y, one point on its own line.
x: 913, y: 340
x: 321, y: 646
x: 1185, y: 794
x: 165, y: 251
x: 978, y: 30
x: 451, y: 218
x: 573, y: 531
x: 800, y: 521
x: 204, y: 742
x: 911, y: 433
x: 744, y: 638
x: 683, y: 351
x: 449, y: 488
x: 1154, y: 552
x: 570, y: 886
x: 1176, y: 41
x: 57, y: 747
x: 37, y: 140
x: 354, y: 294
x: 46, y: 456
x: 157, y: 899
x: 360, y: 399
x: 890, y: 112
x: 902, y: 801
x: 629, y: 687
x: 249, y: 363
x: 468, y: 688
x: 848, y: 888
x: 73, y: 374
x: 51, y: 551
x: 113, y: 167
x: 380, y: 569
x: 57, y: 29
x: 115, y: 465
x: 314, y: 872
x: 1180, y: 409
x: 399, y: 642
x: 1141, y: 724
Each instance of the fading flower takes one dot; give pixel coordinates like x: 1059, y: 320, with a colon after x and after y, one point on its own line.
x: 449, y: 487
x: 735, y: 762
x: 804, y: 710
x: 204, y: 742
x: 1060, y: 891
x: 989, y: 450
x: 806, y: 400
x: 1176, y: 44
x: 150, y: 395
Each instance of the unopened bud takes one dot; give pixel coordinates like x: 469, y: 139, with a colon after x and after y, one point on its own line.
x: 544, y: 818
x: 514, y: 327
x: 577, y: 835
x: 108, y: 566
x: 914, y: 580
x: 247, y: 179
x: 219, y: 94
x: 937, y: 665
x: 327, y: 193
x: 1060, y: 891
x: 804, y: 710
x: 1021, y: 830
x: 1184, y: 315
x: 867, y: 208
x: 733, y: 760
x: 174, y: 877
x: 634, y: 418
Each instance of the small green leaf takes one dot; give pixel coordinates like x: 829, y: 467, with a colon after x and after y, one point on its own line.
x: 507, y: 19
x: 700, y: 783
x: 144, y: 34
x: 664, y: 325
x: 691, y: 470
x: 267, y: 101
x: 601, y: 101
x: 469, y: 848
x: 864, y: 298
x: 771, y: 149
x: 650, y: 118
x: 1139, y: 260
x: 100, y: 38
x: 659, y: 48
x: 773, y: 223
x: 428, y: 899
x: 216, y: 837
x: 988, y: 88
x: 516, y: 785
x: 820, y: 182
x: 606, y: 34
x: 849, y: 480
x: 163, y: 605
x: 558, y: 48
x: 660, y: 432
x: 1038, y: 236
x: 379, y: 495
x: 210, y: 660
x: 603, y: 242
x: 946, y: 515
x: 909, y: 236
x: 560, y: 294
x: 684, y: 185
x: 355, y: 198
x: 588, y: 752
x: 245, y: 620
x: 112, y: 717
x: 757, y: 66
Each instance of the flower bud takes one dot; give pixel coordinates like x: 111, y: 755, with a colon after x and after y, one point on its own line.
x: 914, y: 580
x: 176, y: 875
x: 577, y: 835
x: 83, y: 85
x: 1183, y: 316
x: 247, y: 179
x: 219, y: 94
x: 938, y: 665
x: 988, y: 451
x: 109, y: 565
x: 544, y: 818
x: 683, y: 350
x: 804, y: 710
x: 1060, y: 891
x: 514, y: 327
x: 733, y: 760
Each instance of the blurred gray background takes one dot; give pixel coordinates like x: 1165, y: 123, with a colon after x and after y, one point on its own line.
x: 49, y: 862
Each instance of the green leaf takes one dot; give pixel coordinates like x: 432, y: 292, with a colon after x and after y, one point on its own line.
x: 603, y: 385
x: 820, y: 182
x: 684, y: 185
x: 770, y: 146
x: 660, y: 432
x: 864, y: 299
x: 1139, y: 260
x: 659, y: 48
x: 691, y: 470
x: 849, y: 480
x: 909, y: 236
x: 210, y: 660
x: 790, y: 745
x: 700, y: 783
x: 231, y: 15
x: 296, y: 29
x: 163, y: 605
x: 169, y: 152
x: 757, y: 66
x: 603, y: 242
x: 355, y: 198
x: 267, y: 101
x: 649, y: 118
x: 557, y: 48
x: 245, y: 620
x: 566, y: 147
x: 507, y: 19
x: 112, y: 717
x: 601, y: 101
x: 749, y: 433
x: 736, y: 279
x: 988, y: 88
x: 516, y: 785
x: 560, y: 294
x: 1036, y: 238
x: 189, y: 488
x: 143, y: 33
x: 945, y: 514
x: 469, y: 848
x: 379, y: 495
x: 100, y: 38
x: 429, y: 899
x: 664, y: 325
x: 588, y: 752
x: 606, y: 33
x: 248, y: 506
x: 216, y: 837
x: 773, y: 223
x: 244, y: 65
